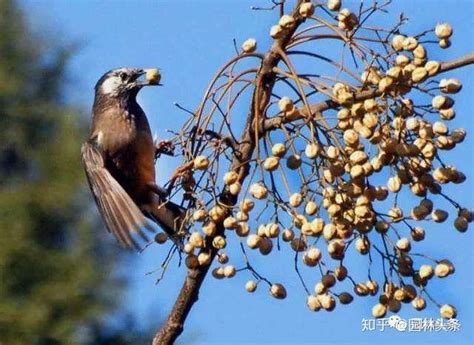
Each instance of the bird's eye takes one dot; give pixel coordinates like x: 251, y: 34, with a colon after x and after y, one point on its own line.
x: 123, y: 76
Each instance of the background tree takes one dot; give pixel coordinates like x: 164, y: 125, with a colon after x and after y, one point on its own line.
x: 54, y: 267
x: 322, y: 161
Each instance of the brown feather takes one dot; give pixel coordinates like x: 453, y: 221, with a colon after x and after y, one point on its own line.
x: 121, y: 215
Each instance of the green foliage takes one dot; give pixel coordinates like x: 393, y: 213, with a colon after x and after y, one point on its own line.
x: 53, y: 262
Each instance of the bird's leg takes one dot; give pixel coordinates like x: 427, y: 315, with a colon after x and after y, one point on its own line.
x: 161, y: 192
x: 165, y: 147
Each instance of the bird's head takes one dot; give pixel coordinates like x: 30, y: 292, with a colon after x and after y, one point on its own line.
x: 126, y: 82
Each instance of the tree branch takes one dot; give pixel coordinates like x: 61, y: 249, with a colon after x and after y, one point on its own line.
x: 264, y: 83
x: 318, y: 108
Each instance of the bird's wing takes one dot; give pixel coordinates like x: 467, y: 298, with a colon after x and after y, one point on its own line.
x: 121, y: 215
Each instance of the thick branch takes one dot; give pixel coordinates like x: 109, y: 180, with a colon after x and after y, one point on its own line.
x: 264, y: 83
x: 318, y: 108
x: 459, y: 62
x: 188, y: 295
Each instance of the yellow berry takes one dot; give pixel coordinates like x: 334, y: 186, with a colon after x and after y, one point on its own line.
x: 229, y: 271
x: 334, y: 5
x: 201, y: 163
x: 249, y: 46
x: 258, y: 191
x: 153, y: 76
x: 443, y: 31
x: 279, y: 150
x: 285, y: 104
x: 219, y: 242
x: 379, y: 310
x: 196, y: 240
x: 286, y: 21
x: 278, y: 291
x: 271, y: 163
x: 306, y: 9
x: 204, y: 259
x: 253, y: 241
x: 230, y: 177
x: 447, y: 311
x: 251, y: 286
x: 313, y: 303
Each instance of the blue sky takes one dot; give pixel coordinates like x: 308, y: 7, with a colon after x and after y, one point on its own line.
x: 189, y: 40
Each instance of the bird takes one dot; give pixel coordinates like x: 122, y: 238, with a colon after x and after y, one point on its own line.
x: 119, y: 160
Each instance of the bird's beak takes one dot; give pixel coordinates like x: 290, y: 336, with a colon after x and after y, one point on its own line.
x: 152, y: 76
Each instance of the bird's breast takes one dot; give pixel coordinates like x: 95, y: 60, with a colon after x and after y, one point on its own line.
x: 126, y: 138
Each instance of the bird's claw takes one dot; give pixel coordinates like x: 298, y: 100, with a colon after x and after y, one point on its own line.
x: 165, y: 147
x: 179, y: 172
x: 161, y: 192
